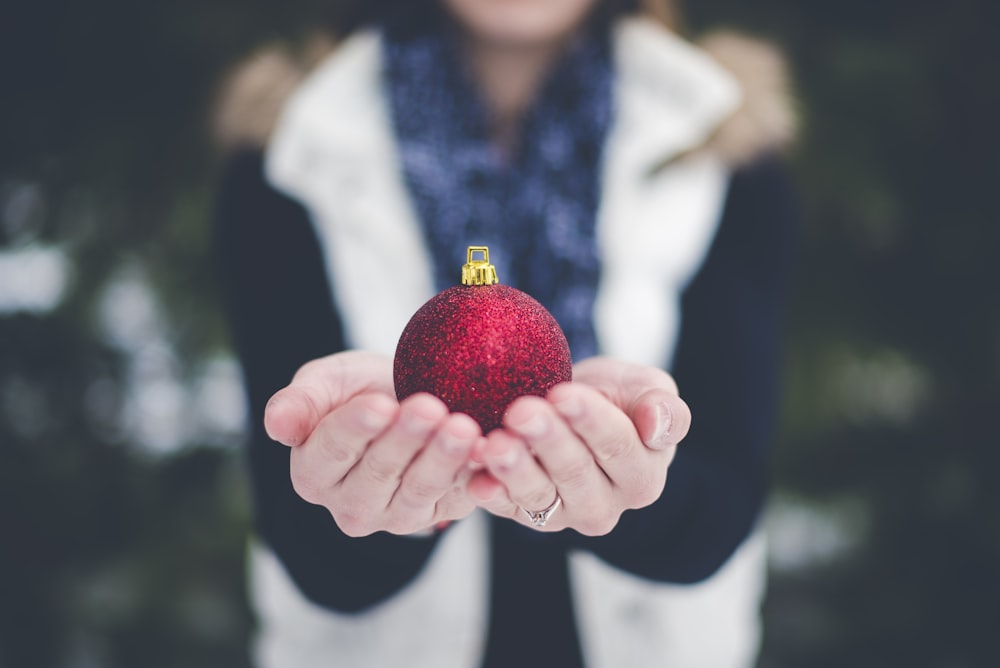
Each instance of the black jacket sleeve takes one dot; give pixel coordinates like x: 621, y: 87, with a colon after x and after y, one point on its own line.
x: 280, y: 311
x: 727, y: 366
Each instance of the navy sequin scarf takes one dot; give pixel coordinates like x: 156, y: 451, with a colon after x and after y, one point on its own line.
x: 535, y: 209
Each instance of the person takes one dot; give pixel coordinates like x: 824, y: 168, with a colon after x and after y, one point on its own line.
x: 632, y: 182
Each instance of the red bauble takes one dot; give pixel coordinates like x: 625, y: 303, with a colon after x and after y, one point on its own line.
x: 480, y: 346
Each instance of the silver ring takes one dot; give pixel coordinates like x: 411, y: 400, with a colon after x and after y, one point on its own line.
x: 538, y: 518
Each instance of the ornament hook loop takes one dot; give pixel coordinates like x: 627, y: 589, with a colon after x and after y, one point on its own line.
x: 478, y: 272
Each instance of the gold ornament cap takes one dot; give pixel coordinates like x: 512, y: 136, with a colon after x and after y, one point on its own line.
x: 478, y: 272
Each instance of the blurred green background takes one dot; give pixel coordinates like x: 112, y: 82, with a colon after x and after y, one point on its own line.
x: 123, y: 509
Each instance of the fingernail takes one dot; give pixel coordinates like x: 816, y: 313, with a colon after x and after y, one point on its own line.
x: 277, y: 403
x: 373, y: 418
x: 661, y: 434
x: 505, y: 460
x: 537, y: 425
x: 272, y: 422
x: 452, y: 445
x: 570, y: 407
x: 414, y: 423
x: 479, y: 451
x: 289, y: 440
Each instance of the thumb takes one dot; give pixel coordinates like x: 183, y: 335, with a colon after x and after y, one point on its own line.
x: 662, y: 419
x: 320, y: 387
x: 291, y: 415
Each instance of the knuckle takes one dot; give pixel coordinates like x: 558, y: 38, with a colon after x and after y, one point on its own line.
x: 380, y: 470
x: 419, y: 494
x: 657, y: 378
x: 539, y: 500
x: 452, y: 507
x: 575, y: 474
x: 600, y: 525
x: 640, y: 498
x: 402, y: 526
x: 307, y: 488
x: 338, y: 452
x: 646, y: 488
x: 352, y: 527
x: 615, y: 447
x: 666, y: 381
x: 353, y: 522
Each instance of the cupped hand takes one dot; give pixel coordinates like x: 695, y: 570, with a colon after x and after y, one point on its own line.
x: 603, y: 443
x: 374, y: 463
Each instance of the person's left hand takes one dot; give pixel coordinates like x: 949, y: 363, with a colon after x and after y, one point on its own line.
x: 602, y: 443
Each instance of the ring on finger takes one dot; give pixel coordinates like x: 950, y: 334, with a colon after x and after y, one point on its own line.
x: 539, y: 518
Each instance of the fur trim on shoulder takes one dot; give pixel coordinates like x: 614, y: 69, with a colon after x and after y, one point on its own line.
x: 766, y: 120
x: 251, y: 97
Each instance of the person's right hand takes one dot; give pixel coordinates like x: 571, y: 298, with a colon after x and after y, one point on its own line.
x: 375, y: 464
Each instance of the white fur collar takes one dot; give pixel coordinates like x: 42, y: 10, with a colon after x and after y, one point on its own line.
x: 671, y: 92
x: 252, y: 96
x: 671, y: 96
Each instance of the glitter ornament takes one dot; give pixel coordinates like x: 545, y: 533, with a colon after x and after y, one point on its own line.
x: 480, y: 345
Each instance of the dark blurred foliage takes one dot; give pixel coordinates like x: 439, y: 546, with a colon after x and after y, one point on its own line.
x: 894, y: 362
x: 112, y: 555
x: 115, y: 554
